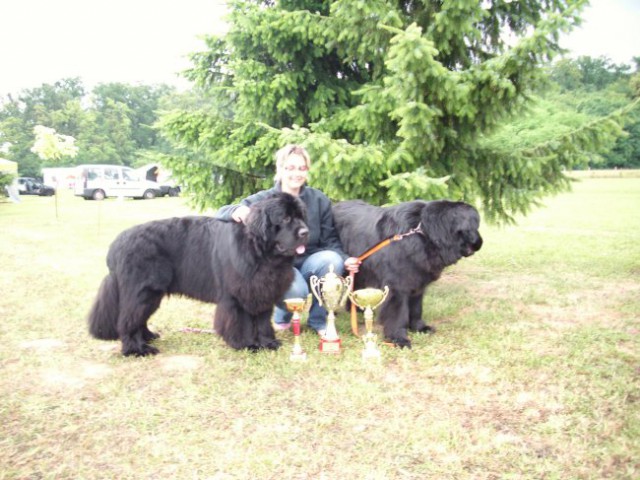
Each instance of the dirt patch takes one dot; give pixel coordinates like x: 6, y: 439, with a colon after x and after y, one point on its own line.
x: 586, y: 307
x: 110, y: 347
x: 75, y: 376
x: 179, y: 363
x: 43, y: 344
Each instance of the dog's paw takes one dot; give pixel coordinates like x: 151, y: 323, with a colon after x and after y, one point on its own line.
x: 420, y: 326
x: 401, y: 342
x: 149, y: 336
x: 273, y: 344
x: 149, y: 350
x: 143, y: 350
x: 426, y: 329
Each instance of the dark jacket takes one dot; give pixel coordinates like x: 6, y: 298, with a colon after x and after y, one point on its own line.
x: 322, y: 232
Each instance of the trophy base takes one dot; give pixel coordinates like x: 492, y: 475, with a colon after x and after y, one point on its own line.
x: 298, y: 357
x: 298, y: 354
x: 371, y: 351
x: 330, y: 346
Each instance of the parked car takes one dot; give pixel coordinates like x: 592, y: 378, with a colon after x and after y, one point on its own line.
x: 154, y: 172
x: 97, y: 182
x: 171, y: 190
x: 32, y: 186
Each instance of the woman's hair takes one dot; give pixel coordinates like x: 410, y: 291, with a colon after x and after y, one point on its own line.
x: 283, y: 154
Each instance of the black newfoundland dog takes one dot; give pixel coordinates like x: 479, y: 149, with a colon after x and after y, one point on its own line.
x: 243, y: 268
x: 447, y: 232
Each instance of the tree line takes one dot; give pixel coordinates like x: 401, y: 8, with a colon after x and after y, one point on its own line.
x: 394, y: 100
x: 113, y: 123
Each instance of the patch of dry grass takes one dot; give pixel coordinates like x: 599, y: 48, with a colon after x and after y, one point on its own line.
x: 533, y: 372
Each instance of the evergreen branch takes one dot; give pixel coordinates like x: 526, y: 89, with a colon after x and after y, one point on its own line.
x: 593, y: 127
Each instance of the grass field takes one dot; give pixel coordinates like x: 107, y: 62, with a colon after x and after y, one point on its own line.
x: 534, y: 372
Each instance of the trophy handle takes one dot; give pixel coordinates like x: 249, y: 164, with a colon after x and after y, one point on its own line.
x: 307, y: 303
x: 314, y: 282
x: 385, y: 292
x: 347, y: 289
x: 350, y: 296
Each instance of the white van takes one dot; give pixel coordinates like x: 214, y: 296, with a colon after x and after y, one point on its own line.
x: 97, y: 182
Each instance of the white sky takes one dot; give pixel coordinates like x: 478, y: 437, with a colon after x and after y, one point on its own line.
x: 147, y: 41
x: 101, y: 41
x: 609, y: 28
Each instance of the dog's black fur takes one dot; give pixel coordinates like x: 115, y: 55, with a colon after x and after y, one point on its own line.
x: 243, y: 268
x: 449, y: 232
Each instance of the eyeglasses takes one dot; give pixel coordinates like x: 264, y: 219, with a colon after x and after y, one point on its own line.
x: 292, y: 168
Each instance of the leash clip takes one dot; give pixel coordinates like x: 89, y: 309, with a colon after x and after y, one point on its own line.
x: 417, y: 229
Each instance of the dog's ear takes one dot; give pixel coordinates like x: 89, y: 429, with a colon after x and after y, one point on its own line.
x: 258, y: 223
x: 434, y: 223
x: 437, y: 225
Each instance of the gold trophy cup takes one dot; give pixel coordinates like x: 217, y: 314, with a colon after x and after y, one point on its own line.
x: 368, y: 299
x: 331, y: 291
x: 296, y: 306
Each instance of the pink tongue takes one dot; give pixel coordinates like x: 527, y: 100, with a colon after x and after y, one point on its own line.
x: 300, y: 250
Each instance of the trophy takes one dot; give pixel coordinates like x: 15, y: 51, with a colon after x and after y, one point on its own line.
x: 297, y: 305
x: 331, y: 291
x: 369, y: 299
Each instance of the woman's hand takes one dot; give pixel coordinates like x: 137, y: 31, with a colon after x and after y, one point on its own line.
x: 352, y: 264
x: 241, y: 213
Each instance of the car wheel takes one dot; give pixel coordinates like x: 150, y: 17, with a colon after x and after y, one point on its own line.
x: 98, y: 195
x: 174, y: 192
x: 149, y: 194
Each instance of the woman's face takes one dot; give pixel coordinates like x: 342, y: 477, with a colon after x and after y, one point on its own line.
x: 294, y: 172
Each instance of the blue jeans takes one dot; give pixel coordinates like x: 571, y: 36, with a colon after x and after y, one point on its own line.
x: 317, y: 264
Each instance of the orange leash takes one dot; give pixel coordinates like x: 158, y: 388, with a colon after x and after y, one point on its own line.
x: 367, y: 254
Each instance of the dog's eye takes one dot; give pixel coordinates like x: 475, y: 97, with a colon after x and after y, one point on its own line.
x: 286, y: 220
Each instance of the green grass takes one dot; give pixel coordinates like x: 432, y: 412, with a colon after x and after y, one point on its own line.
x: 534, y: 371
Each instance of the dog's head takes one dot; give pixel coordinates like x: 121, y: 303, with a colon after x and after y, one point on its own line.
x: 278, y: 224
x: 453, y: 227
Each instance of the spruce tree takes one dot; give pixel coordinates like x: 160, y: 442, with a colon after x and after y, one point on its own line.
x: 395, y: 100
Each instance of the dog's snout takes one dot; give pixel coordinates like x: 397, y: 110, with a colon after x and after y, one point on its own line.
x: 303, y: 232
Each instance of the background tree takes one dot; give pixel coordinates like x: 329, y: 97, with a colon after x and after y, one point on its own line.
x: 112, y: 124
x: 141, y: 102
x: 58, y: 106
x: 396, y: 100
x: 50, y: 145
x: 593, y: 88
x: 54, y: 147
x: 587, y: 73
